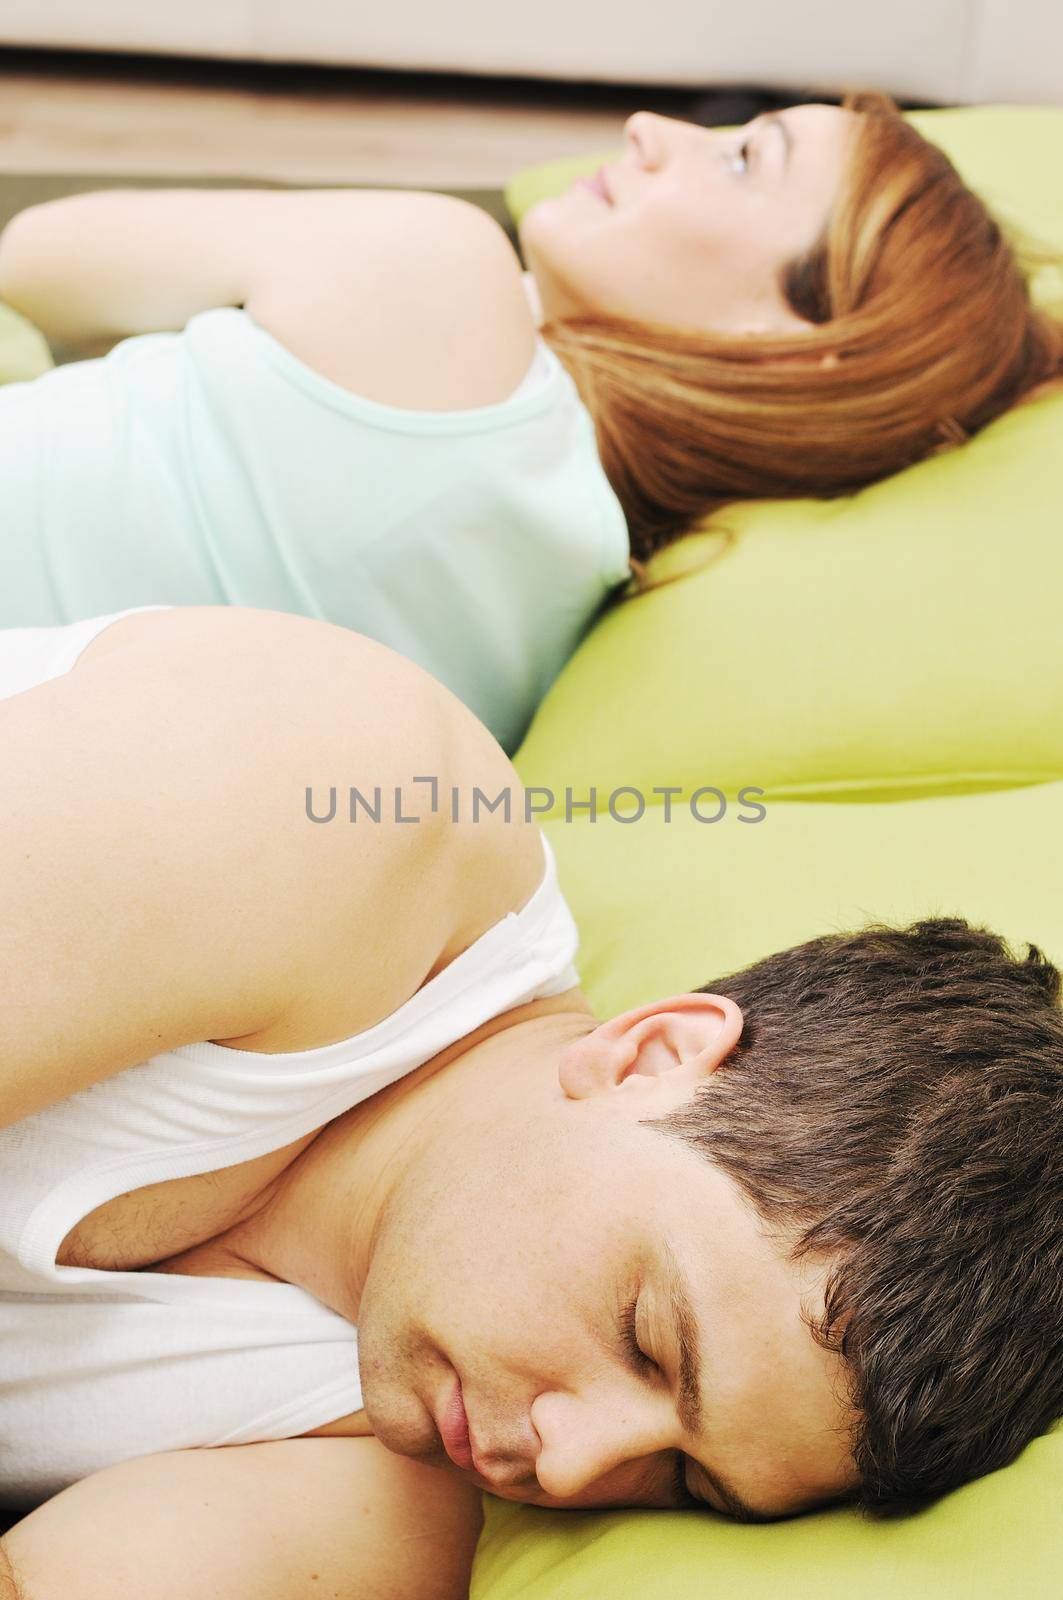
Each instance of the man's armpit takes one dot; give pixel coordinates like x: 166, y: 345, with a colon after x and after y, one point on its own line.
x: 10, y: 1587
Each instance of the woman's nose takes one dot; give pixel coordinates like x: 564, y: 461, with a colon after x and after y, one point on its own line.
x: 582, y: 1442
x: 643, y: 136
x: 653, y: 138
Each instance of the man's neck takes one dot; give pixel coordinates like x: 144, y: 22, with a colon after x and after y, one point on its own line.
x: 318, y: 1221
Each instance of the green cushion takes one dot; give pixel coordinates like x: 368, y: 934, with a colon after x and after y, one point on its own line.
x: 994, y: 1540
x: 897, y: 644
x: 24, y: 353
x: 663, y: 907
x: 900, y: 641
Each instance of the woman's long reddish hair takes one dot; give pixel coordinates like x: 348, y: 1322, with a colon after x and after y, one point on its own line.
x: 916, y: 294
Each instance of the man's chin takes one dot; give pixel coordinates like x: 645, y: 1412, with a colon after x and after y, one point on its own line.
x: 415, y: 1437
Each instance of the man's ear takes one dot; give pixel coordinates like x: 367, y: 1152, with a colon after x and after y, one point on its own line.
x: 686, y: 1034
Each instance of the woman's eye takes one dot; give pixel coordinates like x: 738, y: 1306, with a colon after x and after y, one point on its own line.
x: 742, y: 155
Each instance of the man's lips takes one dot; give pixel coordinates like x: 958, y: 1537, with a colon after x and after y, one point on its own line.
x: 454, y: 1430
x: 453, y: 1427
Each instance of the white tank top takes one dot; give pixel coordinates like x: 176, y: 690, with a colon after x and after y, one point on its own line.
x: 97, y: 1367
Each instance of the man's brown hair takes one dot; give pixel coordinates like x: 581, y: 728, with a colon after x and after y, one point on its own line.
x: 896, y: 1104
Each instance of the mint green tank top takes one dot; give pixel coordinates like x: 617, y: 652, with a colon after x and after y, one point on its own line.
x: 212, y: 467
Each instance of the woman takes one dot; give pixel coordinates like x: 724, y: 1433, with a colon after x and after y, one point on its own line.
x: 362, y: 421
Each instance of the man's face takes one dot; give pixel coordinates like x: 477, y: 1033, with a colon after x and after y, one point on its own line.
x: 535, y: 1215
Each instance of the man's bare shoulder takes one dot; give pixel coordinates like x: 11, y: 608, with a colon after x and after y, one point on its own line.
x: 286, y: 686
x: 494, y: 843
x: 182, y: 801
x: 404, y: 829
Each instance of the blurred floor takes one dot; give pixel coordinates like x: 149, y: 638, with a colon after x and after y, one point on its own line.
x: 85, y: 113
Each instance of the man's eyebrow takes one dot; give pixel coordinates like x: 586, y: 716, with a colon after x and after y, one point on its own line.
x: 690, y: 1404
x: 687, y: 1335
x: 730, y: 1500
x: 735, y: 1506
x: 788, y: 138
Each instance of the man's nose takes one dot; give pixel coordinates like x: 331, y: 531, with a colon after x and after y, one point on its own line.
x: 582, y: 1442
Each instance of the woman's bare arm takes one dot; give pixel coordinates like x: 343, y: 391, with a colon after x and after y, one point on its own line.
x: 299, y: 1519
x: 123, y: 261
x: 102, y: 265
x: 354, y: 281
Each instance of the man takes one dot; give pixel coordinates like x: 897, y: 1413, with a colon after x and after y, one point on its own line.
x: 314, y: 1152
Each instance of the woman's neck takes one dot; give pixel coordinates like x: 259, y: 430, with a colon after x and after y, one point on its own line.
x: 535, y: 304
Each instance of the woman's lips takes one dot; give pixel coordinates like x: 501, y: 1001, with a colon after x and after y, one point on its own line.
x: 597, y: 183
x: 453, y: 1427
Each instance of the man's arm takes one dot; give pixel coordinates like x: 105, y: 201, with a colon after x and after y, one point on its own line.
x: 298, y: 1519
x: 9, y: 1587
x: 161, y: 882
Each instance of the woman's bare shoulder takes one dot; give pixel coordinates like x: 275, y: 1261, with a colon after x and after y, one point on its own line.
x: 418, y: 302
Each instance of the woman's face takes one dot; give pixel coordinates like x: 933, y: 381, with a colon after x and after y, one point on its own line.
x: 697, y: 223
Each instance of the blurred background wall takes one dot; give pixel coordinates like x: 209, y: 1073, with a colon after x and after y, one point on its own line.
x: 409, y: 93
x: 945, y: 50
